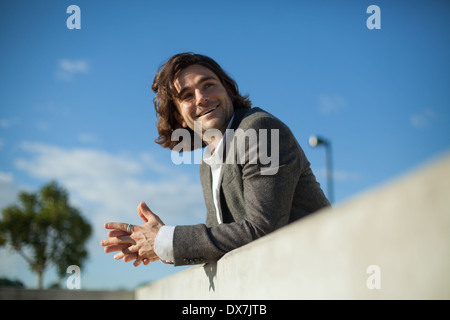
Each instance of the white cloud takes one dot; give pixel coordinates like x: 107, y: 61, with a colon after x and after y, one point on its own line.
x: 331, y: 104
x: 68, y: 68
x: 423, y: 119
x: 74, y: 66
x: 8, y: 189
x: 87, y: 138
x: 108, y: 187
x: 6, y: 177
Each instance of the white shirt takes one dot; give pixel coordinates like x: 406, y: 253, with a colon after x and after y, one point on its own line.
x: 164, y: 238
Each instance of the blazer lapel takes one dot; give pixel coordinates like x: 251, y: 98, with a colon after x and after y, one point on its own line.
x: 206, y: 180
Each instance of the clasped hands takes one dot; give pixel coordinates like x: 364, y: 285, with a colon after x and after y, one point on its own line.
x: 139, y: 244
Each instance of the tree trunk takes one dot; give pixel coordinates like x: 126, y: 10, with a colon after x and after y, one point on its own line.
x: 39, y: 273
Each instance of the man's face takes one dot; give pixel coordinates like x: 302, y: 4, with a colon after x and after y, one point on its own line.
x: 202, y: 97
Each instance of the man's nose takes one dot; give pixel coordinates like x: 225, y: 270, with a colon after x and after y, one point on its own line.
x: 200, y: 98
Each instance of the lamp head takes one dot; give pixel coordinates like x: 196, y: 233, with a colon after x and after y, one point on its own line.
x: 315, y: 141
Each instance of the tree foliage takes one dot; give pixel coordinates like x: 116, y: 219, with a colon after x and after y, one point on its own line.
x: 45, y: 229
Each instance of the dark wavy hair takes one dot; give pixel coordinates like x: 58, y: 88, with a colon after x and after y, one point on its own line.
x: 166, y: 93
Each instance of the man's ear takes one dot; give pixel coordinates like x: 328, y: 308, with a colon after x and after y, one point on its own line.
x: 180, y: 119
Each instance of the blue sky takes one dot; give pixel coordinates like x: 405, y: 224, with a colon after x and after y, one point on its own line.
x: 76, y: 105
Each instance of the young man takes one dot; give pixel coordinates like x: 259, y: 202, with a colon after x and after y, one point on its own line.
x: 254, y: 174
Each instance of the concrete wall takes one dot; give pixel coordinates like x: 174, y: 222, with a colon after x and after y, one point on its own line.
x: 390, y: 243
x: 54, y: 294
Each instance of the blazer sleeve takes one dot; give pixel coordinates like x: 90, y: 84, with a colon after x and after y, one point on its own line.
x: 267, y: 200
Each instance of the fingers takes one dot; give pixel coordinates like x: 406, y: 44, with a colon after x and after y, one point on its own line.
x: 144, y: 211
x: 127, y: 257
x: 134, y: 249
x: 117, y: 240
x: 120, y: 239
x: 115, y: 248
x: 146, y: 261
x: 119, y: 255
x: 146, y: 214
x: 138, y: 261
x: 117, y: 233
x: 116, y: 225
x: 130, y: 257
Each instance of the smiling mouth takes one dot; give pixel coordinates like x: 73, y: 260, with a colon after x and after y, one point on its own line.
x: 208, y: 111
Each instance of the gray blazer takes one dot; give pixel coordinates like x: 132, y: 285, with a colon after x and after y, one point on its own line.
x: 252, y: 204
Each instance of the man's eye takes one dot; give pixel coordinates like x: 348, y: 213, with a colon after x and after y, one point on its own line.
x: 187, y: 96
x: 209, y: 85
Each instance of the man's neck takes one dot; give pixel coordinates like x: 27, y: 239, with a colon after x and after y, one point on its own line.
x: 215, y: 139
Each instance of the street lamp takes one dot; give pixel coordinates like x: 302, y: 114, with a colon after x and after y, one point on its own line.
x: 315, y: 141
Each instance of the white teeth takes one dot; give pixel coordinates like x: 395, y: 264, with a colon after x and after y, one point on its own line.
x: 210, y: 110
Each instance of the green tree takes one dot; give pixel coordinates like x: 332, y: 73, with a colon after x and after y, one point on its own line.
x: 45, y: 229
x: 5, y: 282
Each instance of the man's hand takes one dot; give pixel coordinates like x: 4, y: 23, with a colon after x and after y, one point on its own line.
x: 140, y: 243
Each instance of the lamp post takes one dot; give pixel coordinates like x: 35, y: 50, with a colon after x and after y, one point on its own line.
x: 315, y: 141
